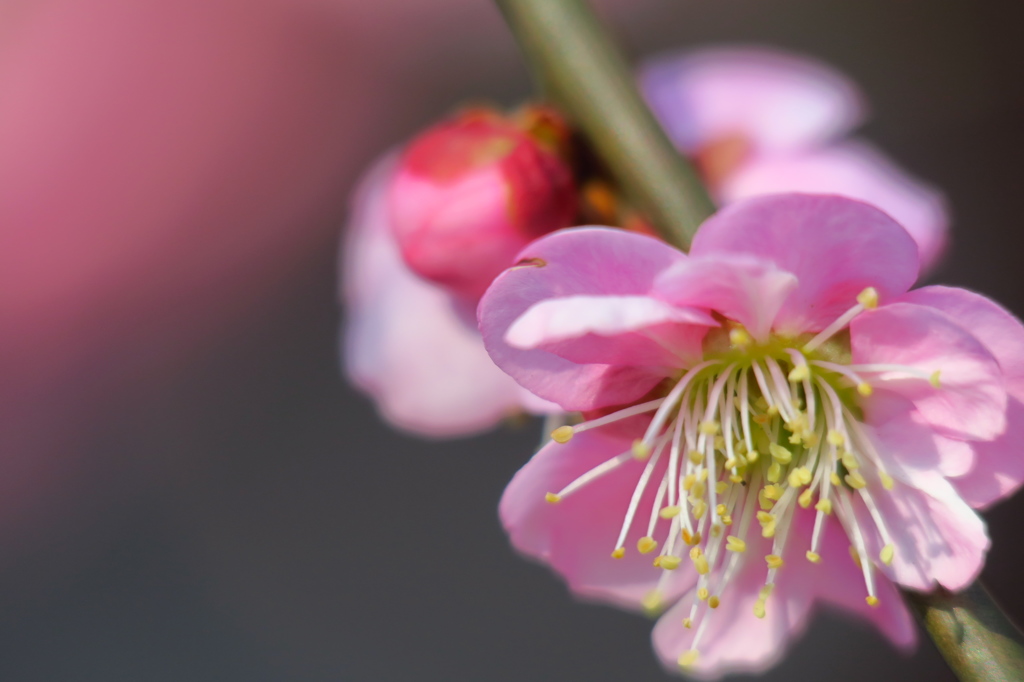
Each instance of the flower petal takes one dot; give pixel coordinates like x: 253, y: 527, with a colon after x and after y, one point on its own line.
x: 577, y: 535
x: 858, y: 171
x: 742, y: 288
x: 624, y: 330
x: 583, y: 261
x: 777, y: 101
x: 999, y: 467
x: 971, y: 400
x: 836, y: 247
x: 405, y: 341
x: 906, y: 436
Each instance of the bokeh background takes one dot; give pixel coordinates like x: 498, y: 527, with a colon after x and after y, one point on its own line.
x: 188, y: 489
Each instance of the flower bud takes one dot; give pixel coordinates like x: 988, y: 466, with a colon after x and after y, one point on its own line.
x: 471, y: 192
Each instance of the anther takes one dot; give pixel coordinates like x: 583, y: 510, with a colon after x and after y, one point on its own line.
x: 669, y: 563
x: 641, y: 450
x: 563, y: 434
x: 773, y: 492
x: 800, y: 476
x: 886, y: 555
x: 619, y: 553
x: 872, y: 600
x: 805, y: 498
x: 886, y: 480
x: 774, y: 472
x: 855, y: 480
x: 813, y: 557
x: 835, y: 437
x: 868, y: 298
x: 799, y: 373
x: 552, y: 498
x: 780, y: 454
x: 703, y: 594
x: 773, y: 560
x: 739, y: 338
x: 713, y: 602
x: 710, y: 428
x: 834, y: 477
x: 735, y: 544
x: 824, y: 506
x: 849, y: 461
x: 934, y: 379
x: 670, y: 512
x: 701, y: 564
x: 864, y: 388
x: 646, y: 545
x: 720, y: 488
x: 687, y: 623
x: 688, y: 659
x: 652, y: 601
x: 696, y: 456
x: 855, y: 555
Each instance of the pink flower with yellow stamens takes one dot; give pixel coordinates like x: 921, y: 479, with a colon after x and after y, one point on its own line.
x: 772, y: 421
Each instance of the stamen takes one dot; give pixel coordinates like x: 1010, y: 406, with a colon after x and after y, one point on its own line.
x: 866, y: 299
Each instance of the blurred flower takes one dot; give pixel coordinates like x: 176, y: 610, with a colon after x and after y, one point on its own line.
x: 760, y: 121
x: 430, y: 230
x: 754, y: 410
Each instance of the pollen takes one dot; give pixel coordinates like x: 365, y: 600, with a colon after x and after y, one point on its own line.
x: 641, y: 450
x: 552, y: 498
x: 563, y: 434
x: 834, y: 477
x: 670, y: 512
x: 864, y: 388
x: 669, y: 563
x: 713, y: 602
x: 799, y: 373
x: 735, y: 544
x: 824, y: 506
x: 805, y: 498
x: 646, y: 545
x: 780, y: 454
x: 835, y: 437
x: 868, y: 298
x: 872, y: 600
x: 813, y: 557
x: 710, y: 428
x: 774, y: 472
x: 688, y: 659
x: 703, y: 594
x: 739, y: 338
x: 687, y: 623
x: 721, y: 510
x: 619, y: 553
x: 934, y: 379
x: 886, y: 555
x: 696, y: 456
x: 701, y: 564
x: 774, y: 561
x: 849, y: 461
x: 721, y: 487
x: 773, y: 492
x: 855, y: 480
x: 759, y: 608
x: 799, y: 477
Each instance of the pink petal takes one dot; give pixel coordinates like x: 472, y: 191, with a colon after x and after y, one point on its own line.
x: 576, y: 536
x: 836, y: 247
x: 583, y: 261
x: 908, y: 438
x: 405, y: 341
x: 840, y: 582
x: 625, y: 330
x: 777, y: 101
x: 857, y: 171
x: 971, y: 400
x: 734, y: 639
x: 938, y: 539
x: 745, y: 289
x: 999, y: 467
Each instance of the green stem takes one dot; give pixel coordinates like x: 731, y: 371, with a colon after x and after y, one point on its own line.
x: 576, y: 60
x: 584, y: 72
x: 972, y: 633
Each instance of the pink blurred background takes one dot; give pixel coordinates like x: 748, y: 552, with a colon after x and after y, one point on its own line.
x: 187, y: 489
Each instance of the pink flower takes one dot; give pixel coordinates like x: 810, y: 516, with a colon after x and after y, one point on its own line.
x: 761, y: 121
x: 754, y: 410
x: 430, y: 230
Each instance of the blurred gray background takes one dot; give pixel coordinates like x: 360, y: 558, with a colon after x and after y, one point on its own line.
x: 188, y: 489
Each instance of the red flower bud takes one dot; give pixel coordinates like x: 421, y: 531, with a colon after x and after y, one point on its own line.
x: 471, y: 192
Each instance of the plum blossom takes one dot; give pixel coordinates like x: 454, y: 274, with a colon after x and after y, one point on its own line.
x: 760, y: 121
x: 771, y: 422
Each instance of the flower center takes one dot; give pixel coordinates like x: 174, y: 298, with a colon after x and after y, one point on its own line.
x: 738, y: 445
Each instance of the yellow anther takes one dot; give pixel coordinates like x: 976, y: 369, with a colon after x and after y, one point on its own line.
x: 855, y: 480
x: 703, y: 594
x: 736, y: 478
x: 849, y: 461
x: 670, y: 512
x: 752, y: 456
x: 657, y: 561
x: 719, y: 443
x: 721, y: 487
x: 855, y: 555
x: 887, y: 554
x: 696, y: 456
x: 691, y: 539
x: 646, y: 545
x: 687, y: 623
x: 714, y: 601
x: 835, y: 437
x: 619, y: 552
x: 765, y: 517
x: 868, y: 298
x: 731, y: 463
x: 641, y: 450
x: 670, y: 563
x: 688, y: 482
x: 696, y: 552
x: 813, y: 557
x: 886, y: 479
x: 552, y: 498
x: 773, y: 492
x: 772, y: 411
x: 871, y: 599
x: 727, y: 519
x: 563, y: 434
x: 735, y: 544
x: 805, y: 498
x: 759, y: 608
x: 773, y: 561
x: 739, y: 338
x: 721, y: 509
x: 688, y: 659
x: 765, y: 501
x: 864, y: 388
x: 779, y: 453
x: 768, y: 530
x: 766, y: 591
x: 703, y: 475
x: 774, y: 472
x: 799, y: 476
x: 934, y: 379
x: 716, y: 531
x: 698, y: 489
x: 710, y: 428
x: 834, y: 477
x: 824, y: 506
x: 799, y: 373
x: 811, y: 440
x: 701, y: 564
x: 700, y: 508
x: 653, y: 602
